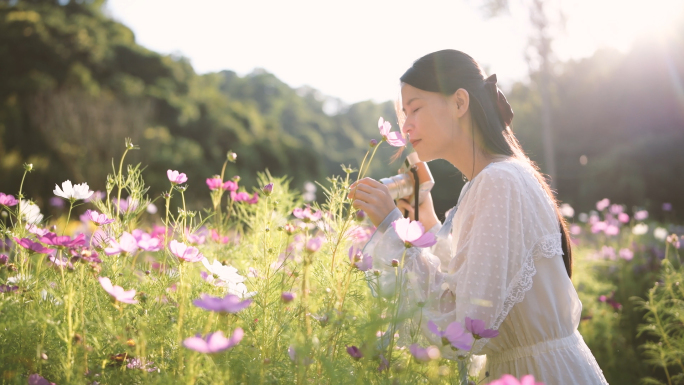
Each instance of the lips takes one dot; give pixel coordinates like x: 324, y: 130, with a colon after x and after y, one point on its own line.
x: 414, y: 142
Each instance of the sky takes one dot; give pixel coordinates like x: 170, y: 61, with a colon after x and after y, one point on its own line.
x: 357, y: 50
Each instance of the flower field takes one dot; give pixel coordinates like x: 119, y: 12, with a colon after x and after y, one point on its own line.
x: 136, y: 286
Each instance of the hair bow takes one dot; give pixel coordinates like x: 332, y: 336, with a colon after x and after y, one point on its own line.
x: 505, y: 110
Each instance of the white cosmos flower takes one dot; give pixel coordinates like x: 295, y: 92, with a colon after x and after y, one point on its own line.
x: 640, y: 229
x: 660, y: 233
x: 228, y: 277
x: 31, y: 212
x: 75, y: 192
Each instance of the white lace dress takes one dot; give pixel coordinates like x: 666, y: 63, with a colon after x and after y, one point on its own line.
x: 501, y: 263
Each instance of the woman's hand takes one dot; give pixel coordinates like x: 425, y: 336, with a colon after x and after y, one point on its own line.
x: 426, y: 211
x: 373, y: 198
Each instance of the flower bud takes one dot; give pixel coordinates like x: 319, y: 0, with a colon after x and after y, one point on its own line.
x: 360, y: 215
x: 28, y: 167
x: 3, y: 259
x: 287, y: 296
x: 268, y: 189
x: 395, y: 263
x: 373, y: 143
x: 231, y: 156
x: 236, y: 178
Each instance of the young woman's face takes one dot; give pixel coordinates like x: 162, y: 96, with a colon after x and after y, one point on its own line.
x: 429, y: 122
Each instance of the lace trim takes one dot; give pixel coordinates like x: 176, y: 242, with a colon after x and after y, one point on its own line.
x: 547, y: 246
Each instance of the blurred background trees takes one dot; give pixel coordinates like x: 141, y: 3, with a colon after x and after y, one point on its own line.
x: 74, y: 84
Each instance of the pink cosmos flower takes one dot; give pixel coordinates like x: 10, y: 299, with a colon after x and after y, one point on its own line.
x: 7, y: 200
x: 575, y: 229
x: 477, y: 328
x: 611, y: 230
x: 314, y: 244
x: 667, y: 206
x: 412, y: 233
x: 185, y: 252
x: 37, y: 379
x: 127, y: 243
x: 97, y: 218
x: 214, y: 342
x: 244, y: 197
x: 306, y: 214
x: 214, y: 183
x: 53, y: 239
x: 125, y: 205
x: 229, y: 186
x: 507, y: 379
x: 623, y: 218
x: 393, y: 138
x: 33, y: 229
x: 454, y: 334
x: 146, y: 241
x: 598, y: 227
x: 229, y: 304
x: 626, y: 254
x: 118, y: 292
x: 602, y: 204
x: 641, y: 215
x: 361, y: 261
x: 33, y: 247
x: 218, y: 238
x: 424, y: 354
x: 175, y: 177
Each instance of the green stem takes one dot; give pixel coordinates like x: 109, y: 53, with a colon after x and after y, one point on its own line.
x: 119, y: 180
x: 71, y: 207
x: 20, y: 196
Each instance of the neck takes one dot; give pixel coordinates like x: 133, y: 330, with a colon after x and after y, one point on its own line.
x: 482, y: 159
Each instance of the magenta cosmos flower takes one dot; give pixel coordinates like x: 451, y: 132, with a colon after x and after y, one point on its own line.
x: 31, y: 246
x: 214, y: 342
x: 287, y: 296
x: 97, y: 218
x: 454, y: 334
x: 244, y: 197
x: 507, y: 379
x: 53, y: 239
x: 361, y: 261
x: 229, y: 304
x: 214, y: 183
x: 185, y: 252
x: 393, y: 138
x: 412, y: 233
x: 121, y: 295
x: 7, y: 200
x: 478, y: 330
x: 176, y: 177
x: 37, y: 379
x: 354, y: 352
x: 424, y: 354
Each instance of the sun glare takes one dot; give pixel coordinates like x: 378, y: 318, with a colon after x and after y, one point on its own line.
x: 619, y: 23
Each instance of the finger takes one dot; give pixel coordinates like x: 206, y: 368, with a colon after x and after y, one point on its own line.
x: 404, y: 205
x: 359, y: 187
x: 369, y: 182
x: 364, y: 196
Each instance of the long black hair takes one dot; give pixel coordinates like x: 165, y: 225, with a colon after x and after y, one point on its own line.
x: 448, y: 70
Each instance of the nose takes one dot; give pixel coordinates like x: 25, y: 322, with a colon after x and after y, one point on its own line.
x: 406, y: 128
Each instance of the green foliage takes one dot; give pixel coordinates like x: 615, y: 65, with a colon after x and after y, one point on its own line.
x: 664, y: 322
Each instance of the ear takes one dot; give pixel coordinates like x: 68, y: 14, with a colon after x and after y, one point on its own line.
x: 459, y: 102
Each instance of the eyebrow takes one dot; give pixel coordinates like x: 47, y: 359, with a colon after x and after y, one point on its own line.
x: 409, y: 103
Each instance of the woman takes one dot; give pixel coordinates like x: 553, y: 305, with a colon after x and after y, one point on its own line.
x: 507, y: 260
